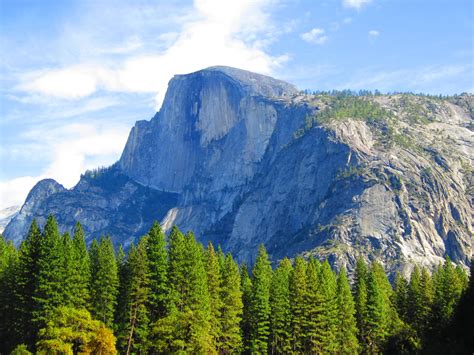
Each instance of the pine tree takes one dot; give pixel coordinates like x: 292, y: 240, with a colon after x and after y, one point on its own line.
x: 378, y: 314
x: 231, y: 313
x: 68, y: 270
x: 401, y: 296
x: 417, y: 307
x: 297, y: 304
x: 448, y: 290
x: 197, y: 298
x: 49, y: 293
x: 280, y: 318
x: 214, y: 283
x: 360, y: 299
x: 321, y: 308
x: 27, y: 283
x: 346, y: 327
x: 158, y: 265
x: 246, y: 324
x: 190, y: 310
x: 81, y: 272
x: 104, y: 281
x: 9, y: 328
x: 136, y: 297
x: 260, y: 306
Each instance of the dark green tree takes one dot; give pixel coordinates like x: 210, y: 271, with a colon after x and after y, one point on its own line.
x: 360, y: 299
x: 81, y: 269
x: 104, y: 281
x: 246, y: 324
x: 280, y: 317
x: 136, y: 298
x: 260, y: 306
x: 50, y: 287
x: 158, y: 265
x: 231, y: 313
x: 346, y: 326
x: 214, y: 283
x: 298, y: 290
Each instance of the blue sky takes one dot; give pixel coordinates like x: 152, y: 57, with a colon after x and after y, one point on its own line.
x: 76, y: 75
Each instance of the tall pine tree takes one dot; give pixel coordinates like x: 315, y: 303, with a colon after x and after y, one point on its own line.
x: 262, y: 273
x: 104, y: 281
x: 280, y: 318
x: 346, y: 326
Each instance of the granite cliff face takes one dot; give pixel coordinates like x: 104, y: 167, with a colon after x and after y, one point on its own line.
x: 243, y: 159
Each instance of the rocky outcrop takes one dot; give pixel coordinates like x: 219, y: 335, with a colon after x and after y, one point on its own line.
x: 243, y: 159
x: 106, y: 202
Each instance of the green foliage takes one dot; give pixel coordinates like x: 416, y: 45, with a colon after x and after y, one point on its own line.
x: 214, y: 284
x: 72, y: 330
x: 232, y: 308
x: 246, y: 324
x: 298, y: 291
x: 260, y: 304
x: 359, y: 108
x: 346, y: 325
x: 104, y: 281
x: 188, y: 300
x: 157, y: 254
x: 280, y: 318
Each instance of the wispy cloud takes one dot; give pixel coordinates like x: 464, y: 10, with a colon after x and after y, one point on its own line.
x: 374, y: 33
x: 422, y: 79
x: 230, y: 33
x: 73, y: 148
x: 93, y: 61
x: 356, y: 4
x: 315, y: 36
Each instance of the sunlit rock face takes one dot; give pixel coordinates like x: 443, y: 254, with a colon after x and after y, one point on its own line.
x: 237, y: 158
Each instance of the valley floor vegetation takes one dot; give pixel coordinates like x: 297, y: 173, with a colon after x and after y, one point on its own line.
x: 172, y: 295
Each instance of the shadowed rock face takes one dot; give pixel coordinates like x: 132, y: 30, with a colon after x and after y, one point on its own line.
x: 235, y: 157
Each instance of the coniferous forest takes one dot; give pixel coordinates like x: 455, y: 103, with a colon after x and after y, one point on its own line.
x: 173, y: 295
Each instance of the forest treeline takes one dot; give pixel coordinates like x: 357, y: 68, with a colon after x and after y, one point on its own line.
x: 172, y: 295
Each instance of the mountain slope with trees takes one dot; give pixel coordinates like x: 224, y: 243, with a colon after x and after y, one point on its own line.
x: 172, y: 295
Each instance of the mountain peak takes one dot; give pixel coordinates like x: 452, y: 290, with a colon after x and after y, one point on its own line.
x: 252, y: 83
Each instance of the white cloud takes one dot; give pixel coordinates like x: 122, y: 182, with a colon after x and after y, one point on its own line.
x: 97, y: 59
x: 315, y: 36
x: 374, y: 33
x: 220, y: 33
x: 356, y: 4
x: 74, y: 148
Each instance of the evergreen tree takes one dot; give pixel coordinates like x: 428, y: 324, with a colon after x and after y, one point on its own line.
x: 27, y: 283
x: 415, y: 299
x: 346, y: 326
x: 214, y: 283
x: 136, y: 298
x: 321, y: 308
x: 10, y: 332
x: 360, y: 299
x: 401, y: 296
x: 81, y: 272
x: 190, y: 310
x: 246, y: 324
x: 50, y: 288
x: 280, y: 318
x: 297, y: 304
x: 378, y: 314
x: 104, y: 281
x: 260, y: 306
x: 231, y: 313
x: 448, y: 289
x: 158, y: 265
x: 68, y: 270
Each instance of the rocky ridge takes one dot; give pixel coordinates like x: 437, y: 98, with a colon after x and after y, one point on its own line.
x: 243, y: 159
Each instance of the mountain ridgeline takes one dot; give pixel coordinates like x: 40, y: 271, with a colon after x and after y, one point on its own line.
x: 242, y: 159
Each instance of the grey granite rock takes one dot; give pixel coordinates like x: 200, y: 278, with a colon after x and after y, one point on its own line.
x: 238, y: 158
